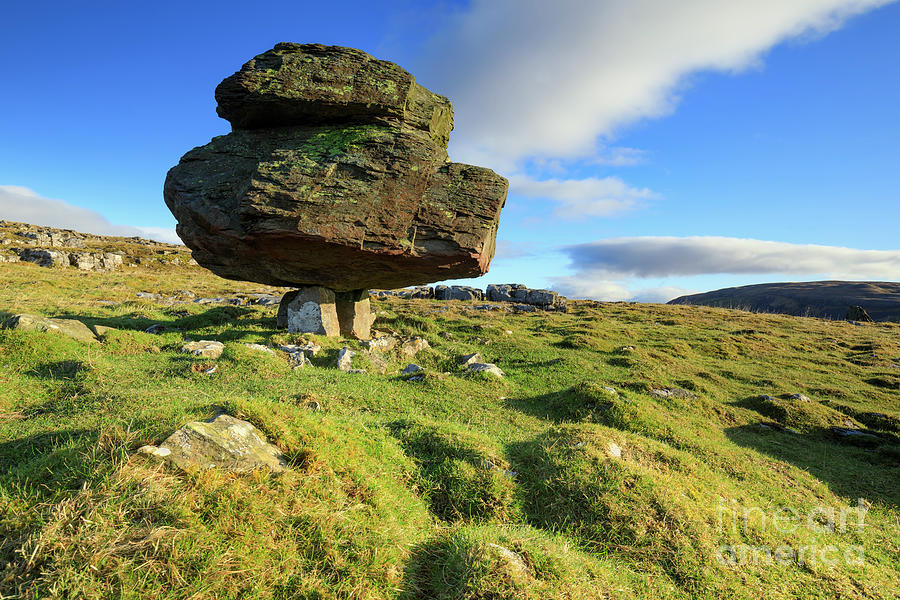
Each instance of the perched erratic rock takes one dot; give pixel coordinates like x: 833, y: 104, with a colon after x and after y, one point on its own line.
x: 335, y: 174
x: 224, y: 443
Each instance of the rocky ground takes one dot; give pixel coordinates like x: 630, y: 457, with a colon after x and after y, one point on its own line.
x: 160, y: 437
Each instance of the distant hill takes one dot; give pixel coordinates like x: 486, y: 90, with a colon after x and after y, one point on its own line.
x: 825, y: 299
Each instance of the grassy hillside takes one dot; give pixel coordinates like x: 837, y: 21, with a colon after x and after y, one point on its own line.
x: 568, y: 478
x: 824, y: 299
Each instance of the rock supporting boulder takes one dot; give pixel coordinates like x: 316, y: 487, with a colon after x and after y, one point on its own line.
x: 354, y: 314
x: 335, y: 175
x: 310, y: 309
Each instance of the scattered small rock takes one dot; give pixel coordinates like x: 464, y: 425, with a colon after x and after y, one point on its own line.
x: 485, y: 368
x: 411, y: 368
x: 298, y: 360
x: 149, y: 296
x: 673, y: 393
x: 259, y: 348
x: 854, y: 434
x: 414, y: 345
x: 154, y: 451
x: 513, y: 560
x: 799, y: 397
x: 155, y: 329
x: 382, y: 343
x: 223, y: 442
x: 613, y: 450
x: 345, y: 360
x: 858, y: 313
x: 468, y: 359
x: 204, y: 348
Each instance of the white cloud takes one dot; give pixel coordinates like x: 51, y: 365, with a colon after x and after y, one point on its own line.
x: 620, y: 156
x: 673, y: 256
x: 577, y: 198
x: 21, y: 204
x: 614, y: 291
x: 535, y: 78
x: 508, y: 249
x: 597, y: 289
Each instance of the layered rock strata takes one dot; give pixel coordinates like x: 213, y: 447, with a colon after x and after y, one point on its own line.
x: 335, y: 175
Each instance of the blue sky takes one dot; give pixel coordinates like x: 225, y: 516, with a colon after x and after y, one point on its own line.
x: 653, y: 147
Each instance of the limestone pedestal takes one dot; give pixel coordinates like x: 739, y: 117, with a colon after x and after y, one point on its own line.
x: 354, y: 313
x: 319, y: 310
x: 309, y: 310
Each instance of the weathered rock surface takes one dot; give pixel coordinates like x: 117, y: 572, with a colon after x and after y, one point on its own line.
x: 95, y: 261
x: 309, y: 310
x: 381, y: 343
x: 303, y: 84
x: 516, y: 292
x: 457, y: 292
x: 223, y: 443
x: 45, y: 258
x: 468, y: 359
x: 68, y: 327
x: 858, y: 313
x: 485, y: 368
x: 414, y: 345
x: 336, y: 175
x: 204, y: 348
x: 354, y: 314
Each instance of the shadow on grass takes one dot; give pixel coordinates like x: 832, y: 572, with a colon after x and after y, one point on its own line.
x: 567, y: 405
x: 48, y: 462
x: 214, y: 317
x: 864, y: 468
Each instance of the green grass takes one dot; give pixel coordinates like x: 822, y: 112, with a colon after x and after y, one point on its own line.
x: 402, y: 489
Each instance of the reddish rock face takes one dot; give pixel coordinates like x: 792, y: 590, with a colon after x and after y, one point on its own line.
x: 336, y: 174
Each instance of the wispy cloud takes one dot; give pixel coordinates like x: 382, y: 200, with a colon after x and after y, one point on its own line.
x: 676, y: 256
x: 578, y: 198
x: 18, y: 203
x: 534, y: 78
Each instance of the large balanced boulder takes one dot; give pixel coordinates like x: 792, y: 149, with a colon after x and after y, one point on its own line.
x: 335, y: 174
